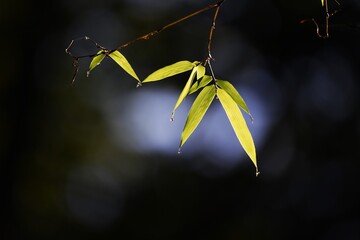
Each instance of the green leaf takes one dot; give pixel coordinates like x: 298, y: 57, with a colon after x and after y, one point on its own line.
x: 97, y: 59
x: 185, y: 91
x: 200, y: 84
x: 123, y: 63
x: 170, y: 70
x: 200, y: 71
x: 238, y: 123
x: 231, y: 90
x: 322, y: 2
x: 197, y: 112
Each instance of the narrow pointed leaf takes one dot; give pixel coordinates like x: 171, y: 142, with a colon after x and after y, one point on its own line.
x: 231, y: 90
x: 322, y: 2
x: 200, y: 71
x: 185, y: 91
x: 197, y: 112
x: 123, y: 63
x: 96, y: 61
x: 238, y: 123
x: 170, y: 70
x: 200, y: 84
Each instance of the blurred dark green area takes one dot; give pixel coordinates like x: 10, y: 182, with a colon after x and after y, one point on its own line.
x: 92, y: 161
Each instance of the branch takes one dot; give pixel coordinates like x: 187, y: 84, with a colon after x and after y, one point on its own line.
x: 153, y: 33
x: 144, y: 37
x: 209, y: 57
x: 212, y: 31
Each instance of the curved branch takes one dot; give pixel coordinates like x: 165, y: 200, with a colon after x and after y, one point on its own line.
x: 153, y: 33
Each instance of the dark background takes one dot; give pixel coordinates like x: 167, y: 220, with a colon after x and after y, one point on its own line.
x: 92, y: 161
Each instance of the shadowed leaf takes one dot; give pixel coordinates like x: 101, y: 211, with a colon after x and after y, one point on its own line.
x: 238, y: 123
x: 200, y: 71
x: 170, y: 70
x: 185, y: 91
x: 200, y: 84
x: 197, y: 112
x: 123, y: 63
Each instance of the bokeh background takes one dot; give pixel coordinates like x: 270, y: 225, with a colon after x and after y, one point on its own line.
x: 98, y: 160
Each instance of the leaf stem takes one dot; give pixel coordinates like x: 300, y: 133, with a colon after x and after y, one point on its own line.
x: 211, y: 69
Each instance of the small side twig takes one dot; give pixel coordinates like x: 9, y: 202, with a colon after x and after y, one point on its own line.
x: 75, y: 62
x: 327, y: 18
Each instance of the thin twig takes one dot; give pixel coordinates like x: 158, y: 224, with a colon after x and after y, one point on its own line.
x: 209, y: 57
x: 75, y: 62
x: 327, y: 18
x: 213, y: 24
x: 211, y: 33
x: 211, y: 69
x: 153, y: 33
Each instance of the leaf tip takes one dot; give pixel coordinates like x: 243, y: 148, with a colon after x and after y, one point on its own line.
x: 257, y: 172
x: 179, y: 150
x: 139, y: 84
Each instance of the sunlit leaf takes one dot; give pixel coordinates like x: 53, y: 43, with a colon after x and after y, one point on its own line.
x: 238, y: 123
x: 170, y: 70
x: 96, y: 61
x: 197, y: 112
x: 200, y: 71
x: 123, y: 63
x: 200, y: 84
x: 185, y: 91
x: 231, y: 90
x: 322, y: 2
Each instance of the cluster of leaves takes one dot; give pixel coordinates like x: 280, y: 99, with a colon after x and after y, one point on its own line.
x: 209, y: 88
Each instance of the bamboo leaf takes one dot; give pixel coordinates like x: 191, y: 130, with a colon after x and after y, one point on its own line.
x: 184, y: 92
x: 97, y: 59
x: 197, y: 112
x: 200, y: 71
x: 231, y: 90
x: 123, y: 63
x: 200, y: 84
x: 170, y: 70
x: 238, y: 123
